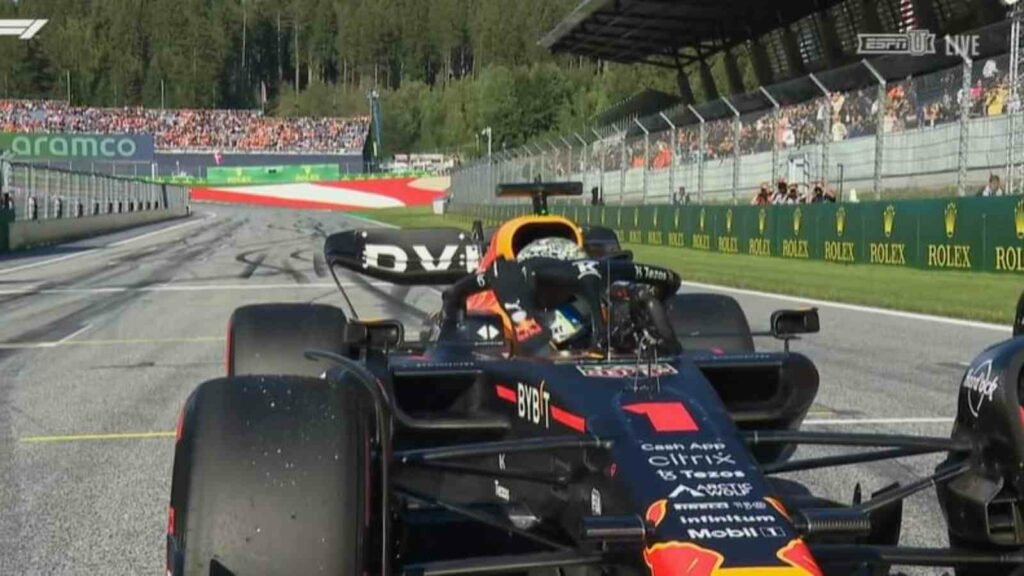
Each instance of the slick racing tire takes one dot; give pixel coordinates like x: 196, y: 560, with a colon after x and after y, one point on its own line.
x: 272, y: 475
x: 271, y: 338
x: 709, y: 322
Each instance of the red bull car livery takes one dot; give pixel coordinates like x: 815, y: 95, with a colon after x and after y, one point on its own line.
x: 567, y: 411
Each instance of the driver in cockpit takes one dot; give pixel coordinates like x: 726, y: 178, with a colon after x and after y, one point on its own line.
x: 568, y: 317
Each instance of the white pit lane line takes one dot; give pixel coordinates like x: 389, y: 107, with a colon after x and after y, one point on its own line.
x: 54, y: 344
x: 876, y: 421
x: 206, y: 216
x: 118, y: 244
x: 37, y: 291
x: 72, y: 335
x: 854, y: 307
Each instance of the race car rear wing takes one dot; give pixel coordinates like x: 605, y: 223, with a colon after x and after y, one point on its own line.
x: 420, y: 256
x: 539, y: 192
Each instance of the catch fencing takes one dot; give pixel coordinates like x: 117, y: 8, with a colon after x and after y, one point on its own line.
x: 852, y: 130
x: 34, y: 192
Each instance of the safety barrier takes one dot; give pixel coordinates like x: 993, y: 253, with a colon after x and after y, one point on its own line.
x: 979, y: 234
x: 6, y: 217
x: 39, y: 193
x: 27, y: 233
x: 41, y: 205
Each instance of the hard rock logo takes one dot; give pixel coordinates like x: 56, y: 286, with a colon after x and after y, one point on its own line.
x: 762, y: 216
x: 728, y: 221
x: 702, y: 220
x: 656, y: 512
x: 950, y: 219
x: 980, y: 385
x: 1018, y: 219
x: 797, y: 216
x: 840, y: 221
x: 888, y: 220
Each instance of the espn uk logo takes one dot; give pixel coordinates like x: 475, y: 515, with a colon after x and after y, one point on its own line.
x: 23, y: 29
x: 916, y: 43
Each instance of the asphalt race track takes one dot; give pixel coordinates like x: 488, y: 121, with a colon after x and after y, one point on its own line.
x: 101, y: 341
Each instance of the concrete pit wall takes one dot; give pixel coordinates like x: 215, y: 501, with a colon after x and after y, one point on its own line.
x: 28, y: 233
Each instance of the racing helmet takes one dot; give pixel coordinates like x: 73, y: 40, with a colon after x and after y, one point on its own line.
x: 568, y: 318
x: 551, y: 247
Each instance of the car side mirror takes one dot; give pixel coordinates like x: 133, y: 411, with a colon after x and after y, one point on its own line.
x: 786, y: 323
x: 378, y: 334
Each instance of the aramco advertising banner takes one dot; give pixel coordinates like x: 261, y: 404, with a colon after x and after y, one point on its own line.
x: 95, y: 147
x: 980, y: 234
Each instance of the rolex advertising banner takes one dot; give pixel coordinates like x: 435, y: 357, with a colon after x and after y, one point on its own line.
x: 980, y: 234
x: 228, y: 175
x: 1003, y: 240
x: 841, y: 232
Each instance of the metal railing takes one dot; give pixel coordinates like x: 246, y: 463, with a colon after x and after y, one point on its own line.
x: 943, y: 133
x: 39, y: 193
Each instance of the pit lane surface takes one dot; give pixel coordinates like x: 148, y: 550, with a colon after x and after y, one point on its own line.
x: 101, y: 341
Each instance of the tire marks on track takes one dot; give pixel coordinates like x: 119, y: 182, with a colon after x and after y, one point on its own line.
x: 67, y: 317
x: 298, y: 277
x: 256, y: 260
x: 100, y: 273
x: 251, y: 263
x: 80, y: 312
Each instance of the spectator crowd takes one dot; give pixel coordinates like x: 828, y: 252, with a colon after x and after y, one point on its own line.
x: 791, y: 193
x: 920, y: 102
x: 217, y: 130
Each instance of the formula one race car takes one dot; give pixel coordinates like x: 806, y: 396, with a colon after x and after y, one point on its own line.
x: 566, y: 411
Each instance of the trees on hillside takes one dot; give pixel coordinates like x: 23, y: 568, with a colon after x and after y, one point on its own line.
x: 445, y: 68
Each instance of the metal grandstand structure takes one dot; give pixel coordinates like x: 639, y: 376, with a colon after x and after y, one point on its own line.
x: 903, y: 122
x: 781, y: 40
x: 1015, y: 139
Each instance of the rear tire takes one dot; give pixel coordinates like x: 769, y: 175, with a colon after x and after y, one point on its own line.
x: 271, y: 338
x: 712, y: 322
x: 272, y: 475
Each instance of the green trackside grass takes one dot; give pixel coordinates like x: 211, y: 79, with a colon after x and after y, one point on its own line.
x: 973, y: 295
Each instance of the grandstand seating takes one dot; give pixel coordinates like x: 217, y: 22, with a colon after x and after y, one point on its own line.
x: 920, y: 102
x: 199, y: 130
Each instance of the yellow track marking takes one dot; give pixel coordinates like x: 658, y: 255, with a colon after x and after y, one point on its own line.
x: 86, y: 437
